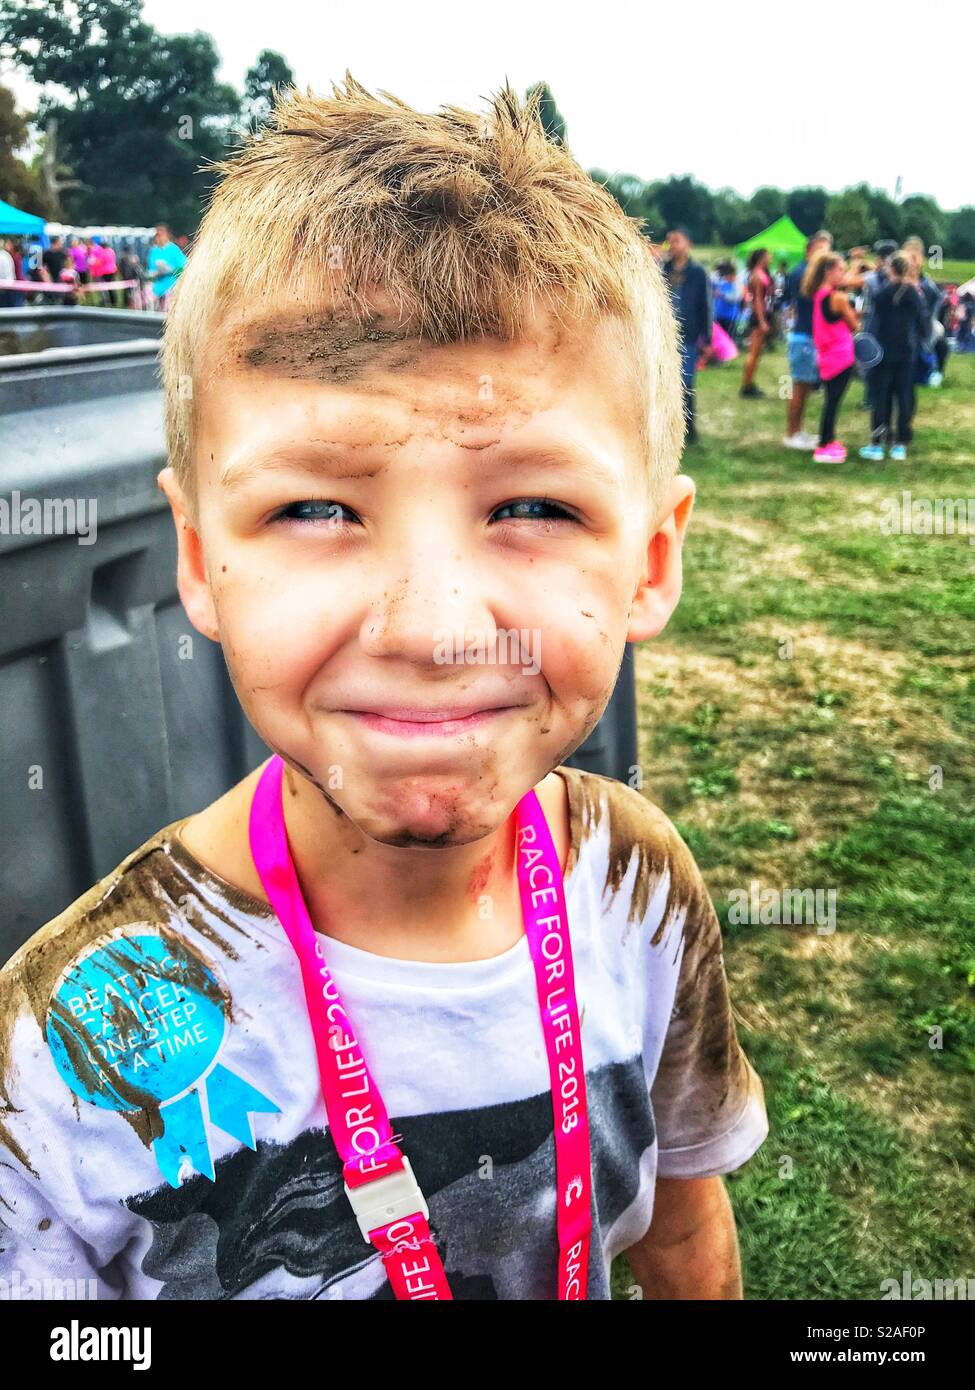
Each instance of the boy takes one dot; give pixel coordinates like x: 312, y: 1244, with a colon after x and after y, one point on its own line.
x: 422, y: 389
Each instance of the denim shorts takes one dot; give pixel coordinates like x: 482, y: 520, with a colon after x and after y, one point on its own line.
x: 802, y: 359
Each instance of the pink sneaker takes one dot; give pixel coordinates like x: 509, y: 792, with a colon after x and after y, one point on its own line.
x: 830, y: 453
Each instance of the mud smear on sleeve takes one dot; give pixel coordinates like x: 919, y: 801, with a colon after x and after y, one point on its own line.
x: 718, y: 1076
x: 143, y: 889
x: 708, y: 1085
x: 636, y: 826
x: 7, y: 1140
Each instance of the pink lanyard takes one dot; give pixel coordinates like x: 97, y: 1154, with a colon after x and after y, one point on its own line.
x: 389, y: 1206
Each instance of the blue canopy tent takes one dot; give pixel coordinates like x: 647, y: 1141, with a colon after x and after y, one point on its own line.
x: 13, y: 222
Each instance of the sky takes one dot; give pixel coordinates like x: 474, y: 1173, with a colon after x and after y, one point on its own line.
x: 764, y: 93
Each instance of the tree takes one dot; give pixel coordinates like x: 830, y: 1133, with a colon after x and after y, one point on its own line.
x: 53, y: 176
x: 807, y: 208
x: 961, y: 233
x: 683, y: 202
x: 18, y: 185
x: 923, y: 218
x: 143, y: 111
x: 735, y: 219
x: 769, y: 203
x: 263, y: 80
x: 635, y: 197
x: 848, y: 218
x: 549, y: 112
x: 887, y: 215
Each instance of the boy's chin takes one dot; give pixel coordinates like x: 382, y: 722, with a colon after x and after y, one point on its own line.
x: 432, y: 820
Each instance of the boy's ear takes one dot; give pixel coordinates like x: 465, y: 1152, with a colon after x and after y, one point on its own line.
x: 660, y: 586
x: 191, y: 573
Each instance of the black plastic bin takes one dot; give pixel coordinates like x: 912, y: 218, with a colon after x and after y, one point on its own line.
x: 118, y: 716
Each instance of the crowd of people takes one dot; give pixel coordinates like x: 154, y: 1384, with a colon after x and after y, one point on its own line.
x: 77, y: 261
x: 878, y: 312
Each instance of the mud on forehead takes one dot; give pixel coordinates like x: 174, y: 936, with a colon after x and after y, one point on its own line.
x: 326, y: 345
x: 335, y: 345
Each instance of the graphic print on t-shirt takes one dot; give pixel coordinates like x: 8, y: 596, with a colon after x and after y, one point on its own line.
x: 136, y: 1026
x: 486, y: 1174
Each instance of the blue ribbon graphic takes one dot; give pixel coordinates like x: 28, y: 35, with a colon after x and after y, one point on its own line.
x: 137, y: 1025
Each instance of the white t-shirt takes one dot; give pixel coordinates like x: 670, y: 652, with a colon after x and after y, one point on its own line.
x: 162, y: 1128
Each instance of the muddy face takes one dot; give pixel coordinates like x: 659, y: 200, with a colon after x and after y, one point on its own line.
x: 390, y: 523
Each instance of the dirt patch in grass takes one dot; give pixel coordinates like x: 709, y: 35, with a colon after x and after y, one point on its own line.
x: 836, y: 947
x: 760, y: 537
x: 929, y: 1105
x: 931, y: 1113
x: 835, y: 694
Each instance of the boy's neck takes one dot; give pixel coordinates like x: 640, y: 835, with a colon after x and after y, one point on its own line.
x: 454, y: 904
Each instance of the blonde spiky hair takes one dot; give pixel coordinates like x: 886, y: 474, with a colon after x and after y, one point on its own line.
x: 465, y: 221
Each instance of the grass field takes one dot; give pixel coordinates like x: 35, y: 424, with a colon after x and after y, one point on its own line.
x: 808, y: 720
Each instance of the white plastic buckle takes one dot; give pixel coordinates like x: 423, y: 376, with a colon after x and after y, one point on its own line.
x: 391, y: 1198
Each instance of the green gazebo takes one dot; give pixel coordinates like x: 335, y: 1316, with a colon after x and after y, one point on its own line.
x: 783, y: 238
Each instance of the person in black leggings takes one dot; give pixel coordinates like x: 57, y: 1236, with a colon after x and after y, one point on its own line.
x: 835, y: 307
x: 833, y: 392
x: 834, y: 324
x: 899, y: 329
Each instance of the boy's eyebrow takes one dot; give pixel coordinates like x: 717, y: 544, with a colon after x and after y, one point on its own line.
x: 551, y: 455
x: 335, y: 460
x: 332, y: 460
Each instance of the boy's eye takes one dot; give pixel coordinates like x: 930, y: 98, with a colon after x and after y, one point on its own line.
x: 331, y: 512
x: 522, y: 509
x: 314, y: 509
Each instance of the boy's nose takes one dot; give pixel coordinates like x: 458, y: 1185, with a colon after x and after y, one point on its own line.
x: 425, y: 597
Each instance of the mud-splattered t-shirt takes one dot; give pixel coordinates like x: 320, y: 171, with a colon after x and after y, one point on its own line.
x: 162, y: 1128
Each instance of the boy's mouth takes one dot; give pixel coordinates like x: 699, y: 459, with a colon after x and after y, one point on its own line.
x: 410, y: 722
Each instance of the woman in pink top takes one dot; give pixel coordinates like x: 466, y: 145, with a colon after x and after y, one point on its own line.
x: 79, y: 255
x: 834, y: 323
x: 109, y: 271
